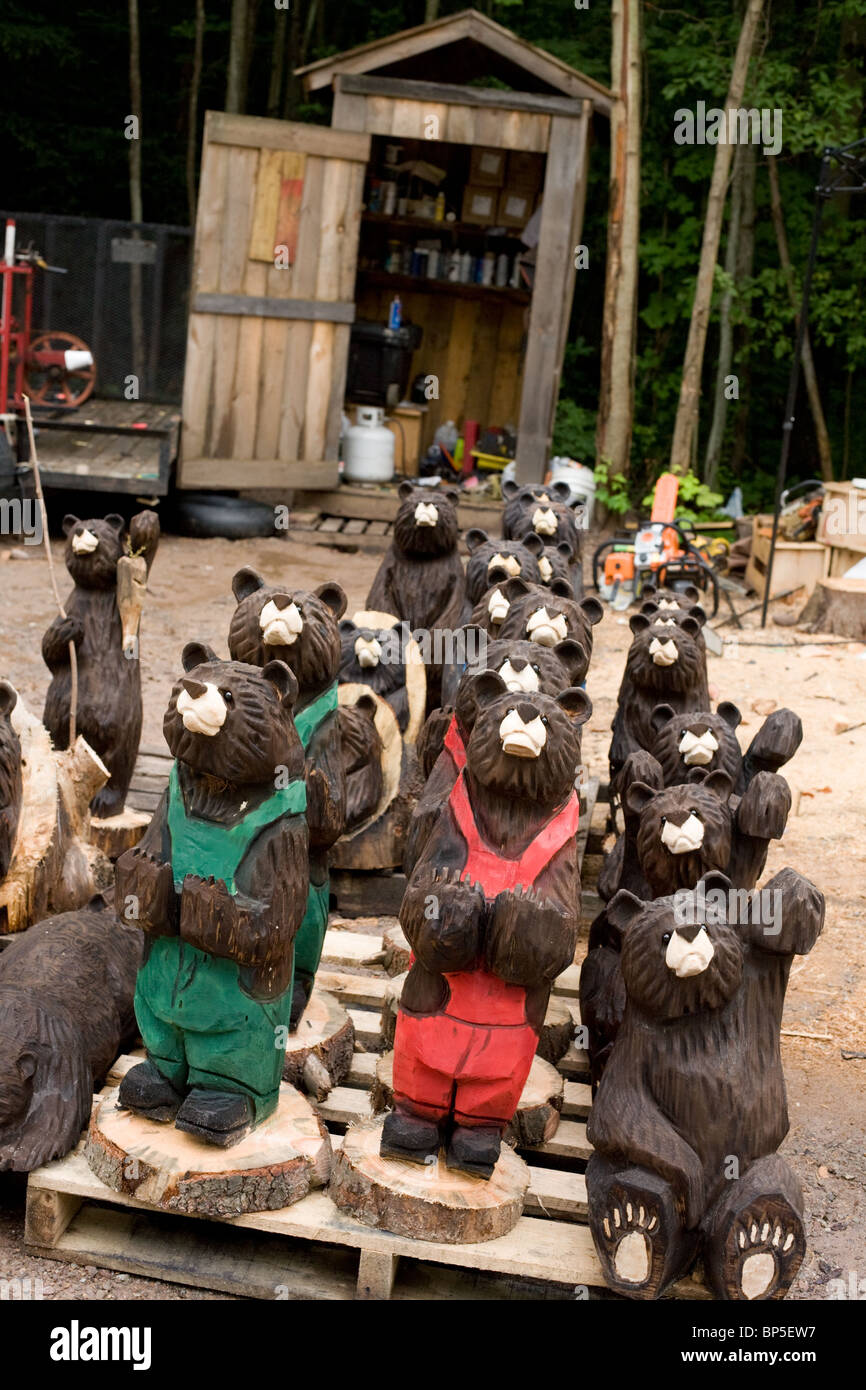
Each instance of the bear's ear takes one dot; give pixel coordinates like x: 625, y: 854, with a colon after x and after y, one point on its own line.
x: 333, y: 597
x: 573, y: 656
x: 405, y: 490
x: 514, y: 589
x: 576, y: 704
x: 650, y: 607
x: 714, y: 878
x: 561, y: 588
x: 560, y: 492
x: 638, y: 796
x: 650, y: 589
x: 246, y: 582
x: 729, y: 712
x: 367, y: 705
x: 661, y: 715
x: 639, y: 622
x: 27, y: 1064
x: 565, y: 550
x: 116, y: 522
x: 623, y: 909
x: 593, y: 608
x: 691, y: 592
x: 452, y: 493
x: 696, y: 612
x: 510, y: 489
x: 347, y: 627
x: 487, y: 685
x: 533, y: 543
x: 719, y: 783
x: 8, y: 697
x: 70, y: 521
x: 197, y: 654
x: 475, y: 537
x: 279, y: 675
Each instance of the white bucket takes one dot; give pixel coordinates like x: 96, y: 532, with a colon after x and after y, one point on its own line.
x: 581, y: 483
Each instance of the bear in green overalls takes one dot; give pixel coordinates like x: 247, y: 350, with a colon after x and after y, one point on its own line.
x: 300, y: 628
x: 219, y: 886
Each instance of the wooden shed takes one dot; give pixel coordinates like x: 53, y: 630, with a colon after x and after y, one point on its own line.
x: 269, y: 335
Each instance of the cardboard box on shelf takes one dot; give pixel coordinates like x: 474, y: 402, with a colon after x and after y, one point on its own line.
x: 524, y: 170
x: 516, y: 206
x: 487, y: 167
x: 479, y: 205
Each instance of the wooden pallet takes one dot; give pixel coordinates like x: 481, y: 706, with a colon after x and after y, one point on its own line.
x: 341, y: 533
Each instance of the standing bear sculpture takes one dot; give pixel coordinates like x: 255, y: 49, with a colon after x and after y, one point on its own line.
x: 109, y: 571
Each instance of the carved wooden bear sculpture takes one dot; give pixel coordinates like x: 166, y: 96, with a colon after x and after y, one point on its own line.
x: 362, y: 759
x: 494, y: 606
x: 545, y: 511
x: 673, y: 837
x: 10, y: 776
x: 549, y: 615
x: 526, y: 668
x: 219, y: 886
x: 699, y: 739
x: 494, y: 562
x: 300, y: 628
x: 66, y: 989
x: 108, y: 710
x: 556, y: 562
x: 692, y: 1107
x: 491, y: 913
x: 664, y: 665
x: 421, y: 577
x: 377, y: 657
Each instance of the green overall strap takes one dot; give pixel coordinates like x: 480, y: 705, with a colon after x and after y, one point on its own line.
x: 207, y: 849
x: 308, y: 720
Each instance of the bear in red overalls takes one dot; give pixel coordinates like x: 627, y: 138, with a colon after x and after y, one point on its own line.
x: 491, y: 912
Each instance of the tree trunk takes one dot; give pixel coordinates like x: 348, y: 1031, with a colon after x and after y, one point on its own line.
x: 136, y: 311
x: 278, y: 61
x: 821, y: 435
x: 616, y: 394
x: 431, y: 11
x: 192, y: 114
x: 745, y: 265
x: 296, y: 58
x: 726, y: 330
x: 686, y: 423
x: 249, y: 48
x: 237, y: 55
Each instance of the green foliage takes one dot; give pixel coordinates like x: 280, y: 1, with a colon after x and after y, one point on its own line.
x: 612, y: 490
x: 574, y: 430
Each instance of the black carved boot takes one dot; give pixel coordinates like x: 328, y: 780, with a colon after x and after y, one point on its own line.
x: 301, y: 991
x: 474, y: 1150
x: 409, y: 1138
x: 220, y: 1117
x: 145, y: 1090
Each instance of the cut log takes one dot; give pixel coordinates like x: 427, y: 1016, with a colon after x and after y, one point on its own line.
x: 397, y: 950
x: 837, y: 606
x: 425, y: 1202
x: 114, y: 835
x: 557, y: 1031
x: 538, y: 1112
x: 325, y: 1032
x: 273, y: 1166
x: 53, y: 867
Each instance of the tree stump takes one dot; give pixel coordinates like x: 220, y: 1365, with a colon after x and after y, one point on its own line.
x: 324, y: 1033
x: 53, y: 868
x: 114, y: 835
x: 538, y: 1112
x: 390, y: 1008
x: 557, y: 1032
x: 837, y: 606
x: 275, y: 1165
x: 396, y: 949
x: 425, y: 1202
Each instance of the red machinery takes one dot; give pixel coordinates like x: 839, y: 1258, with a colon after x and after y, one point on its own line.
x: 53, y: 368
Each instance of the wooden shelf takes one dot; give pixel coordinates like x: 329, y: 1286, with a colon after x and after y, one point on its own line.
x: 429, y: 224
x: 419, y: 284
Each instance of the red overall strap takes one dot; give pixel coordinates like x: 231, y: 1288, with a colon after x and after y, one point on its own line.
x: 489, y: 867
x: 455, y: 745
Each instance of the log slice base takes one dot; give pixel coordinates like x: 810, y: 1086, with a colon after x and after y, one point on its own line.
x: 324, y: 1030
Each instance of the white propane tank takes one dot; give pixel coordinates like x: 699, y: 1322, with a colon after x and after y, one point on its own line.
x: 368, y: 448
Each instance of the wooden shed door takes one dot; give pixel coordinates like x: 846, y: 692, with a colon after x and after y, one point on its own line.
x: 276, y: 244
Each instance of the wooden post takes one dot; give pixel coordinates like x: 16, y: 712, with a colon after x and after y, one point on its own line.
x: 561, y: 225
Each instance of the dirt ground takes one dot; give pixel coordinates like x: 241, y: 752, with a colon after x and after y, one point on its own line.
x: 825, y: 1016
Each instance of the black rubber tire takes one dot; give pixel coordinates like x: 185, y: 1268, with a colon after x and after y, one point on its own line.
x: 208, y: 515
